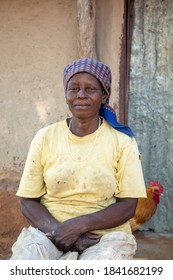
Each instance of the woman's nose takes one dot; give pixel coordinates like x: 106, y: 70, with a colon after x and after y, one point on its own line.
x: 81, y: 93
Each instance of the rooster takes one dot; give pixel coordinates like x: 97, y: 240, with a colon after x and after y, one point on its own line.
x: 146, y: 207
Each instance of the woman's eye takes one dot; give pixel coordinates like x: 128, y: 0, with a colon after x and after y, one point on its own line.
x: 74, y: 89
x: 90, y: 89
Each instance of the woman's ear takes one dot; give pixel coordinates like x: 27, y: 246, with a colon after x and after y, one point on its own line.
x: 105, y: 99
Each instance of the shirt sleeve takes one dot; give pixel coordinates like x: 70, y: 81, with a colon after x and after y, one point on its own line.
x: 129, y: 177
x: 32, y: 182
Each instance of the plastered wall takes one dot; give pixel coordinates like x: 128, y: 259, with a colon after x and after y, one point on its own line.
x: 38, y: 39
x: 36, y: 44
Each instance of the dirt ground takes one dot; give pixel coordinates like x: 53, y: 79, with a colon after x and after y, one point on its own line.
x: 151, y: 245
x: 154, y: 246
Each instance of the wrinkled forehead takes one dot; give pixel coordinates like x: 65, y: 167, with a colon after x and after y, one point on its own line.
x: 92, y: 66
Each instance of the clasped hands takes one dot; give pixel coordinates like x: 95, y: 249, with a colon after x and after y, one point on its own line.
x: 68, y: 236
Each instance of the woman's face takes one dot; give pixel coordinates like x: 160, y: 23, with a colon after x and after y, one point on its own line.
x: 85, y: 95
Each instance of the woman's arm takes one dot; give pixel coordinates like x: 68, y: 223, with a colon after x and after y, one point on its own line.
x: 112, y: 216
x: 64, y: 235
x: 41, y: 218
x: 38, y: 215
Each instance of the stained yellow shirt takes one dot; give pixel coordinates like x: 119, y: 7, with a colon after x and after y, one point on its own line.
x: 69, y: 187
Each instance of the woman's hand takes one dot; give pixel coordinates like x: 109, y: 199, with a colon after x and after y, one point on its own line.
x: 85, y: 241
x: 65, y: 235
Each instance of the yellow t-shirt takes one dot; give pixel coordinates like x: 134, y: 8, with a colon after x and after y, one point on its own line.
x: 71, y: 188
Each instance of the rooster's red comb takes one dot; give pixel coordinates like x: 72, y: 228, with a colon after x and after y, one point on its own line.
x: 154, y: 183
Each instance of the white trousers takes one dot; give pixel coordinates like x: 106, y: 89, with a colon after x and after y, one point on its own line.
x: 32, y: 244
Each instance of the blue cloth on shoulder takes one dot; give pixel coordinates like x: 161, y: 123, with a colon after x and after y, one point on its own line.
x: 111, y: 118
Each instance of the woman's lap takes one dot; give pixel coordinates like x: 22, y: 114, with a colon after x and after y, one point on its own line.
x: 32, y: 244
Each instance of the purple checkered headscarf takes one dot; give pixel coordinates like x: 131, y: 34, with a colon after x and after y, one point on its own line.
x: 91, y: 66
x: 103, y: 74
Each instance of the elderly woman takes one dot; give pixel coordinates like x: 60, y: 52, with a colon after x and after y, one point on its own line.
x: 82, y: 177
